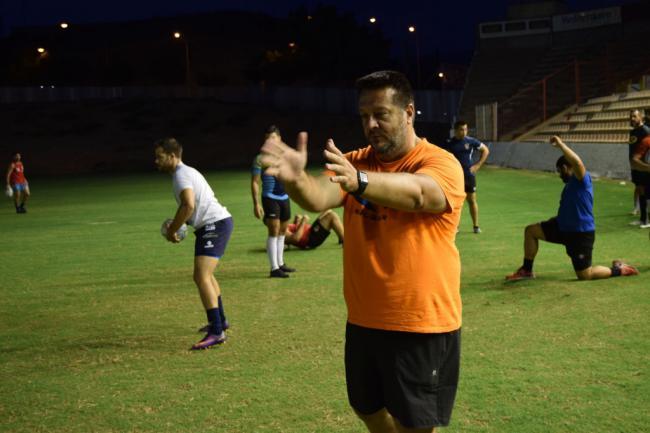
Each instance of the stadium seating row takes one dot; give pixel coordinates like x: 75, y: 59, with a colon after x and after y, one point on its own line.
x: 603, y: 119
x: 584, y: 138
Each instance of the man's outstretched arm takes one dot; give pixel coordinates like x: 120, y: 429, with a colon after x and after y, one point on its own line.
x: 314, y: 194
x: 403, y: 191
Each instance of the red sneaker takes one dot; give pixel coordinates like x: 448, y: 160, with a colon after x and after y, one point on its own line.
x: 520, y: 274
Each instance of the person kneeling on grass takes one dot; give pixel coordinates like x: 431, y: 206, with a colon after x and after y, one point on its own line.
x: 573, y: 226
x: 309, y: 236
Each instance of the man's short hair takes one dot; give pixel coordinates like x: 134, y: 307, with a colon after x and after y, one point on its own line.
x: 272, y: 129
x: 170, y: 146
x: 459, y: 123
x: 640, y: 111
x: 388, y: 79
x: 562, y: 161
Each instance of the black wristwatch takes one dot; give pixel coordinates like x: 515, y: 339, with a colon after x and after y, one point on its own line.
x: 362, y: 179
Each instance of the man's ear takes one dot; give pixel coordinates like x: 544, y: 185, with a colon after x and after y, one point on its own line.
x: 410, y: 113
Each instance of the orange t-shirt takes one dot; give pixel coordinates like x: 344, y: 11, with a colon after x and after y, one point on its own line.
x: 401, y: 270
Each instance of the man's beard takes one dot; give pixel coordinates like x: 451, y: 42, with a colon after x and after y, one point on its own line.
x: 391, y: 145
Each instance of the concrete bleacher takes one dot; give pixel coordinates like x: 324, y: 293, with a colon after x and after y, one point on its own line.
x: 494, y: 75
x: 603, y: 119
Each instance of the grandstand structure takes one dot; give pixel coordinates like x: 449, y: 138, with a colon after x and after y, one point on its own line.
x: 602, y: 119
x: 546, y: 71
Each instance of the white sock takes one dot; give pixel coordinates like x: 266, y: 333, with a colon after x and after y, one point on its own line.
x: 280, y: 250
x: 271, y: 252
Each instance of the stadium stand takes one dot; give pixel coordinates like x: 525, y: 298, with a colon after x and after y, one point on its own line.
x: 603, y: 119
x: 572, y: 58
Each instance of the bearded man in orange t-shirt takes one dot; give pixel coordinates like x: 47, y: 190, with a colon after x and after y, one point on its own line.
x: 402, y: 199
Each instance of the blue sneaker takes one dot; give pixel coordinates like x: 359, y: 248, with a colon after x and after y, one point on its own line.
x: 209, y: 340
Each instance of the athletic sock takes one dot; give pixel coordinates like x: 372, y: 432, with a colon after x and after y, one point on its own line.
x: 222, y: 314
x: 280, y: 250
x: 616, y: 271
x: 271, y: 252
x: 214, y: 318
x: 528, y: 265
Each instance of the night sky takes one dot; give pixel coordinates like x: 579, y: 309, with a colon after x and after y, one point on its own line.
x: 447, y: 27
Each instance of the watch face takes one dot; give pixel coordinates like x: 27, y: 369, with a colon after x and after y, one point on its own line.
x: 363, y: 176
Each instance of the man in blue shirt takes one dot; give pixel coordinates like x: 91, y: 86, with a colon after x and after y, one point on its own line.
x: 275, y: 211
x: 463, y: 147
x: 573, y: 226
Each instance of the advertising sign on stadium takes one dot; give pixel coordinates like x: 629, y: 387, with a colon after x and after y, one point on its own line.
x: 584, y: 20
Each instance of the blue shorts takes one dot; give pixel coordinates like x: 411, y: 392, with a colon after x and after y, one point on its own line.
x: 212, y: 238
x: 19, y: 187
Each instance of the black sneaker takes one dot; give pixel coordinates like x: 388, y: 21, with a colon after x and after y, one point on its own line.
x: 278, y: 273
x: 286, y: 268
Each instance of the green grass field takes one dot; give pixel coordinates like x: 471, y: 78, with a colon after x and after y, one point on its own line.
x: 97, y: 312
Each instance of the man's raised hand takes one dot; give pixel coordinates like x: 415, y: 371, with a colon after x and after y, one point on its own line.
x: 284, y: 162
x: 345, y: 172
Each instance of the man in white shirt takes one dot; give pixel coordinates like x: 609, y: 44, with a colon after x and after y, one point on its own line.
x: 198, y: 207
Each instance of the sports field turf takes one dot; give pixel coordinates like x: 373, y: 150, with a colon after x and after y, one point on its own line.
x: 97, y: 312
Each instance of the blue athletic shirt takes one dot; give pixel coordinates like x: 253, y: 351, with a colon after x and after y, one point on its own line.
x: 462, y: 150
x: 577, y: 206
x: 271, y: 187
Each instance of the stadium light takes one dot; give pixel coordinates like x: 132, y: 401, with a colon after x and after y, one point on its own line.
x: 441, y: 75
x: 188, y: 74
x: 292, y: 45
x: 373, y: 20
x: 40, y: 50
x: 417, y: 55
x: 64, y: 25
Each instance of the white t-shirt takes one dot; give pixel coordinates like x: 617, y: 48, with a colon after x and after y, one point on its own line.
x: 207, y: 208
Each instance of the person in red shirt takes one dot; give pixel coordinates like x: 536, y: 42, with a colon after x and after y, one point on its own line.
x: 641, y: 161
x: 17, y: 183
x: 309, y: 236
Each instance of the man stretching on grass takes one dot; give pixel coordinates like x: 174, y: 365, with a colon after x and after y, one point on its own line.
x: 309, y: 236
x: 573, y: 226
x: 198, y: 206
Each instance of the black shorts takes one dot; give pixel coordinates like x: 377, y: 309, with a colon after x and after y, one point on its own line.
x: 276, y: 209
x: 414, y: 376
x: 212, y: 238
x: 640, y: 177
x: 579, y: 245
x: 470, y: 183
x: 317, y: 235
